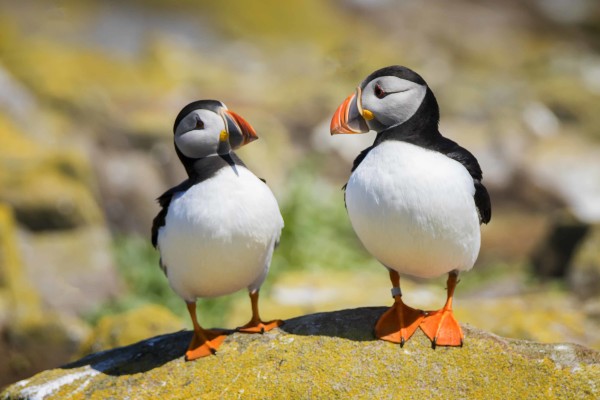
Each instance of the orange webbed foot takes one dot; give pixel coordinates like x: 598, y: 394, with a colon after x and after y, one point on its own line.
x: 256, y: 324
x: 442, y: 328
x: 259, y: 326
x: 398, y: 323
x: 205, y: 344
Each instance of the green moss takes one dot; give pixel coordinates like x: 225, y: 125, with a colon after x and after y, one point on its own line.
x: 318, y: 233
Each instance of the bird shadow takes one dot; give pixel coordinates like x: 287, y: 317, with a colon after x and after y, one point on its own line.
x: 354, y: 324
x: 138, y: 357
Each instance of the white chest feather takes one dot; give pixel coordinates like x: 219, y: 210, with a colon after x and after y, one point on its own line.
x: 413, y: 209
x: 219, y: 235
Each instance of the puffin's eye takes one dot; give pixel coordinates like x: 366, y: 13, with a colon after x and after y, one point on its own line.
x: 199, y: 124
x: 379, y: 92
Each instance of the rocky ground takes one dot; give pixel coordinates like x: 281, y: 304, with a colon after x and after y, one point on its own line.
x: 88, y: 92
x: 326, y: 356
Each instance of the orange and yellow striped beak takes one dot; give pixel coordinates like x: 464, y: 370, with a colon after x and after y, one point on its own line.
x: 349, y: 116
x: 239, y: 130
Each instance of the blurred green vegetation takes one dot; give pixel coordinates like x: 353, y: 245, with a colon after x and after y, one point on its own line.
x: 317, y: 231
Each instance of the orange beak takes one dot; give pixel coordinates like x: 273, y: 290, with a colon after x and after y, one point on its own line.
x: 348, y: 116
x: 240, y: 131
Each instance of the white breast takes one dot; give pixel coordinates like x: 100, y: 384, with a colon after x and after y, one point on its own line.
x: 413, y: 209
x: 219, y: 235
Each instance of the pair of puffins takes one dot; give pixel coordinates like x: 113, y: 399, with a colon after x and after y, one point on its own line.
x: 414, y: 198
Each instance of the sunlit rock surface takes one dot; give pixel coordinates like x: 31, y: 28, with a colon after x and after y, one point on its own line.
x: 325, y: 356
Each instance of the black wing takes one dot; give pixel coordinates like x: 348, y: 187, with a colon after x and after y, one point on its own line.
x: 482, y: 198
x: 164, y: 201
x: 361, y: 156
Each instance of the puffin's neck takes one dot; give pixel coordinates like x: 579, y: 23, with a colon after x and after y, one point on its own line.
x: 196, y: 167
x: 421, y: 128
x: 411, y: 131
x: 199, y: 169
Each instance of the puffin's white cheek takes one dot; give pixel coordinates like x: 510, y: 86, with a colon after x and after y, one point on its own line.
x: 196, y: 145
x: 398, y: 108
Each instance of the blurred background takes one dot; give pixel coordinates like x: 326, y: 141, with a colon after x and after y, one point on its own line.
x: 89, y: 91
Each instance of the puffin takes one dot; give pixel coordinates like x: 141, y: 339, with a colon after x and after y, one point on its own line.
x: 216, y: 231
x: 414, y: 198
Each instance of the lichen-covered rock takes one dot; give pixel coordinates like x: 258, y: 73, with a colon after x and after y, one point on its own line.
x: 30, y: 346
x: 31, y: 339
x: 49, y: 187
x: 130, y: 327
x: 18, y: 299
x: 327, y: 355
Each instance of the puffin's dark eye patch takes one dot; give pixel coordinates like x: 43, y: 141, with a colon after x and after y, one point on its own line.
x: 199, y: 124
x: 379, y: 92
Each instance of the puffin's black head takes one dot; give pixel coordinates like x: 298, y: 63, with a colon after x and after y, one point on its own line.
x: 387, y: 98
x: 206, y: 127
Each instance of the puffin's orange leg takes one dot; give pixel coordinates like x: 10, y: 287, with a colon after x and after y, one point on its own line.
x: 400, y: 321
x: 441, y: 326
x: 256, y: 325
x: 204, y: 342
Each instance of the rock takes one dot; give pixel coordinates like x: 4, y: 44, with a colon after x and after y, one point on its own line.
x: 130, y: 327
x: 325, y: 355
x: 72, y: 270
x: 18, y: 298
x: 30, y: 346
x: 496, y: 299
x: 584, y: 270
x: 553, y: 254
x: 50, y: 187
x: 15, y: 99
x: 545, y: 316
x: 566, y: 165
x: 127, y: 178
x: 31, y: 339
x: 501, y: 242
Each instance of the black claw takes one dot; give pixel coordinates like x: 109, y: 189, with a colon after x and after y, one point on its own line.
x: 402, y: 341
x: 262, y: 330
x: 433, y: 343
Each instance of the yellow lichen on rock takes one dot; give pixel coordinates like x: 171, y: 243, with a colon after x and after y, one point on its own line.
x: 326, y: 356
x: 16, y: 293
x: 48, y: 187
x: 130, y: 327
x: 547, y: 317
